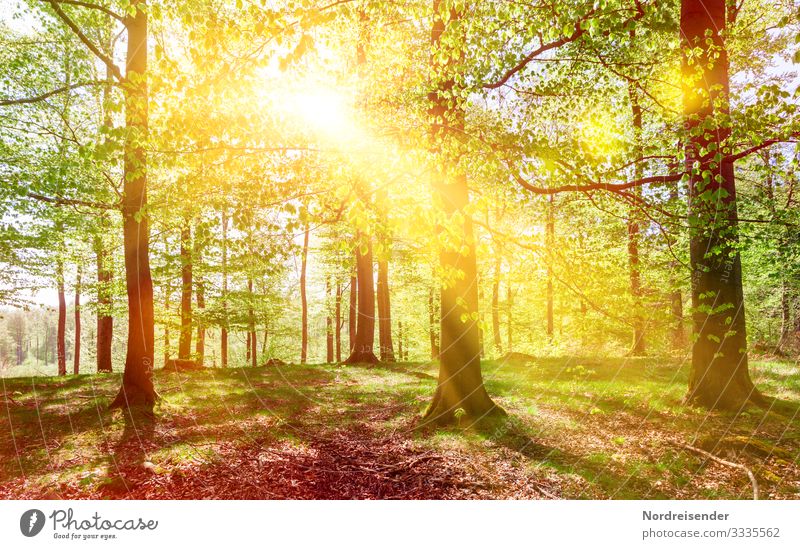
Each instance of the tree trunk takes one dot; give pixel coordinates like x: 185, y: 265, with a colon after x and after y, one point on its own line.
x: 509, y: 313
x: 223, y: 339
x: 200, y: 345
x: 384, y: 313
x: 460, y: 385
x: 550, y: 230
x: 498, y: 340
x: 167, y: 294
x: 338, y: 321
x: 76, y: 357
x: 137, y: 381
x: 61, y: 344
x: 433, y: 336
x: 185, y: 340
x: 328, y: 325
x: 105, y: 322
x: 634, y: 267
x: 719, y: 376
x: 352, y: 312
x: 304, y: 301
x: 252, y: 345
x: 365, y: 325
x: 400, y: 339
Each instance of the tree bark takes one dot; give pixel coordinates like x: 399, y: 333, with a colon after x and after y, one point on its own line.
x: 352, y: 313
x: 137, y: 381
x: 61, y: 344
x: 719, y: 375
x: 365, y: 325
x: 328, y: 325
x: 460, y: 384
x: 200, y: 292
x: 384, y: 313
x: 638, y: 346
x: 549, y: 236
x: 252, y: 342
x: 304, y: 301
x: 223, y: 339
x: 105, y: 320
x: 432, y: 324
x: 338, y: 321
x: 498, y: 340
x: 76, y: 357
x: 185, y: 339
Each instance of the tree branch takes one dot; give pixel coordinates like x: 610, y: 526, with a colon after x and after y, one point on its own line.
x: 91, y: 6
x: 42, y: 97
x: 58, y: 201
x: 83, y: 38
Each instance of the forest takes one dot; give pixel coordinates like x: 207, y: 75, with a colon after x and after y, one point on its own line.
x: 439, y: 249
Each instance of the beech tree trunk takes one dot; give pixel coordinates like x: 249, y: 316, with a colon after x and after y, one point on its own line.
x: 105, y: 321
x: 432, y: 325
x: 223, y: 338
x: 384, y: 313
x: 365, y: 325
x: 76, y: 357
x: 200, y: 345
x: 498, y: 340
x: 185, y: 339
x: 719, y: 376
x: 638, y: 346
x: 61, y: 344
x: 252, y: 342
x: 550, y: 230
x: 352, y: 312
x: 137, y: 381
x: 304, y: 301
x: 338, y: 321
x: 460, y: 384
x: 167, y: 294
x: 328, y: 326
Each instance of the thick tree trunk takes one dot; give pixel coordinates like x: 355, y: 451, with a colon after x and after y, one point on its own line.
x: 185, y: 339
x: 498, y: 340
x: 384, y: 313
x: 719, y: 376
x: 223, y: 339
x: 352, y: 313
x: 76, y: 357
x: 105, y: 322
x: 304, y: 301
x: 137, y: 381
x: 338, y: 321
x: 365, y: 325
x: 432, y: 325
x: 638, y: 346
x: 460, y: 385
x: 61, y: 344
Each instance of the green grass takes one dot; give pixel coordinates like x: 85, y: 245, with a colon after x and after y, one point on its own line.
x: 585, y: 428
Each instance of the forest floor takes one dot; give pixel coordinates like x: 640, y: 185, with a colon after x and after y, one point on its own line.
x: 577, y: 428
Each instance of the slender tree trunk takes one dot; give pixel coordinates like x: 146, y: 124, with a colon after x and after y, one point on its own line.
x: 498, y: 340
x: 400, y: 339
x: 719, y: 376
x: 384, y: 313
x: 105, y: 320
x: 550, y: 230
x: 352, y: 313
x: 638, y: 346
x: 432, y: 324
x: 185, y: 340
x: 328, y: 325
x: 200, y: 345
x: 304, y: 301
x: 338, y: 321
x: 365, y: 325
x: 251, y: 336
x: 676, y: 296
x: 76, y: 363
x: 224, y: 333
x: 167, y: 295
x: 509, y: 313
x: 61, y: 344
x: 460, y: 385
x: 137, y: 381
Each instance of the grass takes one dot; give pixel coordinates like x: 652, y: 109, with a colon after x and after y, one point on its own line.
x: 577, y: 428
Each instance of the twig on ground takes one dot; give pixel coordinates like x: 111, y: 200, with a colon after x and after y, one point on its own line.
x: 712, y: 457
